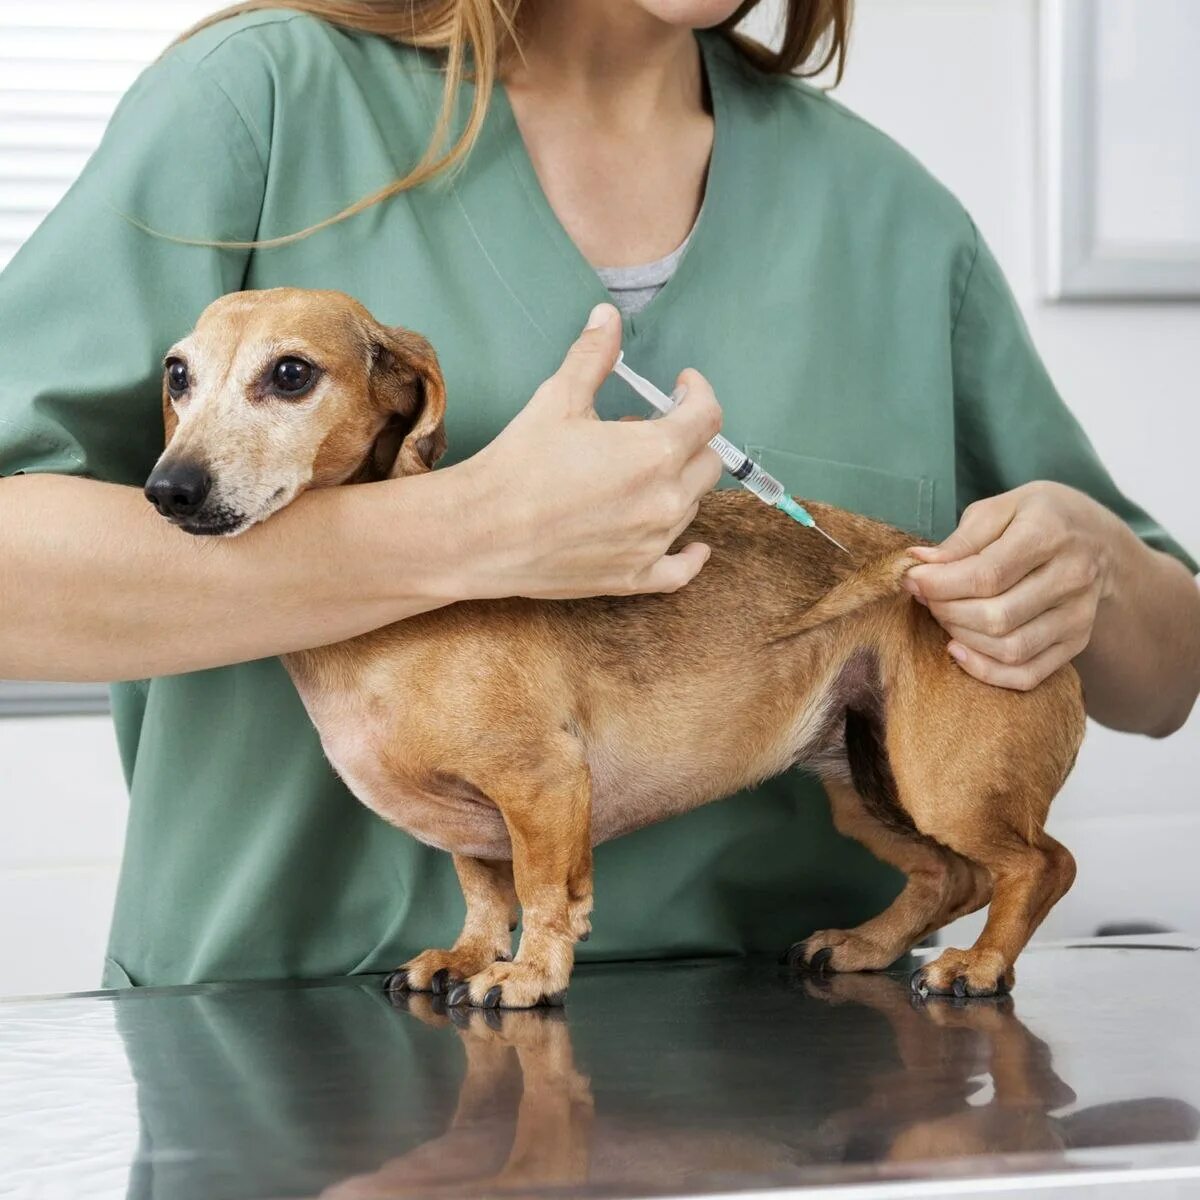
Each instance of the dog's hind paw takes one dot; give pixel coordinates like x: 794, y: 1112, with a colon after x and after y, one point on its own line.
x: 963, y: 973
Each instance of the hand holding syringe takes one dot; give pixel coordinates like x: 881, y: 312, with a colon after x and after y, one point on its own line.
x: 741, y: 466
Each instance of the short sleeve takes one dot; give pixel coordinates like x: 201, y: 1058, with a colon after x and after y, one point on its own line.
x: 1011, y: 426
x: 96, y: 296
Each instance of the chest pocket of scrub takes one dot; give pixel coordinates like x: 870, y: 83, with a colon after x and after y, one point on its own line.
x: 905, y: 501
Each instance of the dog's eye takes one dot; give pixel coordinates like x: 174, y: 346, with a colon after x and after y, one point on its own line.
x: 177, y: 377
x: 293, y: 376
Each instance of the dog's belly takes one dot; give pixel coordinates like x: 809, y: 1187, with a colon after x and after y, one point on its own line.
x: 443, y: 812
x: 635, y: 784
x: 636, y: 780
x: 457, y: 824
x: 435, y: 806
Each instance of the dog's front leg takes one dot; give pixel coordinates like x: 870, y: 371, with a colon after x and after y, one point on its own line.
x: 547, y: 809
x: 486, y: 934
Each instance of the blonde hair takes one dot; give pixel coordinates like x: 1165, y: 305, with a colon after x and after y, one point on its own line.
x: 479, y: 38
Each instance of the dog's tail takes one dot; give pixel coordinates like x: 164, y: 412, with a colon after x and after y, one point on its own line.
x: 875, y: 580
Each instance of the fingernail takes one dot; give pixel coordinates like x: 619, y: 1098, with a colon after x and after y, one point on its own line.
x: 678, y: 394
x: 957, y: 652
x: 910, y: 585
x: 599, y: 316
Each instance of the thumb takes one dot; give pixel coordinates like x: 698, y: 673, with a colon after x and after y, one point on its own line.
x: 981, y: 524
x: 590, y: 358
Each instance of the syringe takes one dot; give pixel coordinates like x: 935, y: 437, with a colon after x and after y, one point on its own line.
x: 741, y: 466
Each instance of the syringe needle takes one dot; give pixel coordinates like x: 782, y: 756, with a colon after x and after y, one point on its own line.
x: 830, y: 538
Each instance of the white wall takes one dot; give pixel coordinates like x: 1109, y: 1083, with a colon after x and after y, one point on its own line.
x: 955, y: 81
x: 62, y: 814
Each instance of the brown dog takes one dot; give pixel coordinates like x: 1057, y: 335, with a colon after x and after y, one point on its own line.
x: 517, y: 734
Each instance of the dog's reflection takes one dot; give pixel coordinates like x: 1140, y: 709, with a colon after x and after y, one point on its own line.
x: 971, y: 1079
x: 964, y: 1079
x: 526, y: 1122
x: 524, y: 1114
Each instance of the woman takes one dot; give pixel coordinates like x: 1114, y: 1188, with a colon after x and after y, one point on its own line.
x: 837, y: 299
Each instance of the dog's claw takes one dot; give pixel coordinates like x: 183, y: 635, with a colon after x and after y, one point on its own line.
x: 397, y: 981
x: 793, y: 956
x: 960, y: 985
x: 460, y: 993
x: 918, y: 983
x: 557, y: 1000
x: 820, y: 960
x: 491, y: 998
x: 440, y: 982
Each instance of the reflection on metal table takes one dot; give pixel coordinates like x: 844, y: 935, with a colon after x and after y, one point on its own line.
x: 657, y: 1079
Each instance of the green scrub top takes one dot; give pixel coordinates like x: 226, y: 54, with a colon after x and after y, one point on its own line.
x: 858, y: 332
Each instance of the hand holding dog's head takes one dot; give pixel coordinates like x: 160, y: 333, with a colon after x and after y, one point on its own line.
x: 278, y: 391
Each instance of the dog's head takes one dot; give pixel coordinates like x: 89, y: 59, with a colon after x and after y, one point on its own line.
x: 277, y: 391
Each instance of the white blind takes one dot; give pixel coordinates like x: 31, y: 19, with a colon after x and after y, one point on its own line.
x: 63, y: 66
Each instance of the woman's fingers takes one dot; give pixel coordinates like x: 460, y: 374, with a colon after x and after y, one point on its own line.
x: 673, y: 571
x: 588, y: 362
x: 702, y: 472
x: 990, y: 572
x: 1068, y: 622
x: 1022, y: 678
x: 608, y: 499
x: 998, y: 616
x: 1016, y: 586
x: 981, y: 524
x: 694, y: 421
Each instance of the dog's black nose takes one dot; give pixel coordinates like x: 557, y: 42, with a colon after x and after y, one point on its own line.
x: 178, y: 490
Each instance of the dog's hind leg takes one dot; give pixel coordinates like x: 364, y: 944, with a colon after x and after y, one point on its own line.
x: 486, y: 935
x: 977, y: 769
x: 939, y: 886
x: 1030, y: 875
x: 544, y: 794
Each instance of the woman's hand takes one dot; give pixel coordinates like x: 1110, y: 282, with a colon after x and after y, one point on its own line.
x: 1019, y: 583
x: 576, y: 506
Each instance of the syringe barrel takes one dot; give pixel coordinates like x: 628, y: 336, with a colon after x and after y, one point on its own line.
x: 747, y: 472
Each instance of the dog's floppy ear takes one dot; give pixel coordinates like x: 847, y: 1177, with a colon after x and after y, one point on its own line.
x: 407, y: 384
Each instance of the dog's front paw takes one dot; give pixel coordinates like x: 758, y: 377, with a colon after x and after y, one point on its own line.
x: 509, y: 985
x: 840, y: 950
x: 964, y: 973
x: 438, y: 971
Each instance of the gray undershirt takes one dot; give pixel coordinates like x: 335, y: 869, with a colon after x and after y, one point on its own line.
x: 632, y: 288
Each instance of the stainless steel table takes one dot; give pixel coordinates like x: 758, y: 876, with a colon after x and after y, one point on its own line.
x: 687, y: 1078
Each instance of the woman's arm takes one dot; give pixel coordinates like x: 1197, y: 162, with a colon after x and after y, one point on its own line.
x: 1141, y: 668
x: 1042, y: 575
x: 94, y: 586
x: 1039, y: 573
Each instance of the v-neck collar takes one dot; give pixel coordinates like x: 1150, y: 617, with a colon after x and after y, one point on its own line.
x: 579, y: 281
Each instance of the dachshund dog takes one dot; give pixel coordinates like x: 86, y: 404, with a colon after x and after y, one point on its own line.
x: 517, y: 734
